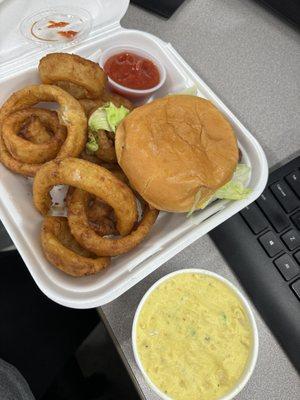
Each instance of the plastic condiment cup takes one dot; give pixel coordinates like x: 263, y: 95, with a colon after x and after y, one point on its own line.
x: 254, y: 350
x: 128, y: 92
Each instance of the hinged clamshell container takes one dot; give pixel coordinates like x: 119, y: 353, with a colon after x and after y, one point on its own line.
x: 99, y: 24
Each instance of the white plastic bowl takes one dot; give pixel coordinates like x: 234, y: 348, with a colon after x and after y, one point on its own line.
x: 133, y: 93
x: 254, y: 351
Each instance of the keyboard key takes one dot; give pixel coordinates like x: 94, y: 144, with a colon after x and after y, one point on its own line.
x: 255, y: 218
x: 297, y: 256
x: 271, y: 243
x: 287, y: 266
x: 285, y: 196
x: 273, y: 211
x: 296, y: 288
x: 291, y: 239
x: 293, y: 179
x: 296, y: 219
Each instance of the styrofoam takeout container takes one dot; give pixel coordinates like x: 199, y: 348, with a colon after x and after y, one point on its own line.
x: 19, y: 58
x: 249, y: 368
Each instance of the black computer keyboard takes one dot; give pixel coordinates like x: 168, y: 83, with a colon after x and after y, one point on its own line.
x: 262, y: 246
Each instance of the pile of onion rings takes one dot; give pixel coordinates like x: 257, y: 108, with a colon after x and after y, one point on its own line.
x: 90, y: 177
x: 95, y: 213
x: 102, y: 218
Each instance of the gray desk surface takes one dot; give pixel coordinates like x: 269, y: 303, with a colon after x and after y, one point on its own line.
x: 251, y: 59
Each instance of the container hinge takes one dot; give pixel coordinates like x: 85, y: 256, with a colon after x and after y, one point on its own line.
x: 98, y: 33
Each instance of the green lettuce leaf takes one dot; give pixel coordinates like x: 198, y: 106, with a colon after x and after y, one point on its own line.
x: 107, y: 117
x: 92, y: 144
x: 98, y: 120
x: 232, y: 190
x: 235, y: 189
x: 115, y: 115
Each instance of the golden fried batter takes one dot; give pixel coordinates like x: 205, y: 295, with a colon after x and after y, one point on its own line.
x: 80, y: 77
x: 101, y: 217
x: 88, y: 238
x: 92, y: 178
x: 70, y: 112
x: 90, y: 106
x: 24, y: 150
x: 62, y: 250
x: 34, y: 131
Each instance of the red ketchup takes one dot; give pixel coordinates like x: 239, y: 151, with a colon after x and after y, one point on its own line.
x: 132, y: 71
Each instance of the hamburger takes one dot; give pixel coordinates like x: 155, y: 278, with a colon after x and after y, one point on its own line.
x: 177, y: 150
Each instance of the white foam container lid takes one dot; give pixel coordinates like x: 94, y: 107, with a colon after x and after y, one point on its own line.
x: 172, y: 232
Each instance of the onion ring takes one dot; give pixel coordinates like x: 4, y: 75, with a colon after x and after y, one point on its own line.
x: 89, y: 239
x: 78, y: 92
x: 62, y: 251
x: 101, y: 217
x: 35, y: 131
x: 22, y: 149
x: 113, y: 168
x: 14, y: 165
x: 80, y: 77
x: 72, y: 114
x: 91, y: 178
